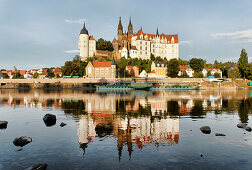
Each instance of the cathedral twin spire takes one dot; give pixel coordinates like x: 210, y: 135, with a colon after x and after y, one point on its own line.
x: 120, y: 27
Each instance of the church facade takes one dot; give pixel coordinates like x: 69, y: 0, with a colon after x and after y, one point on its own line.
x: 141, y: 45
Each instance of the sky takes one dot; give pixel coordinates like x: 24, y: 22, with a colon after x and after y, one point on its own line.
x: 44, y: 33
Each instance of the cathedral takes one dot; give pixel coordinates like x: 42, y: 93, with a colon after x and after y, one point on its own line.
x: 142, y: 45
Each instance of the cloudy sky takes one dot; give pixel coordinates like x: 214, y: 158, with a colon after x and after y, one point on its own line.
x: 43, y: 33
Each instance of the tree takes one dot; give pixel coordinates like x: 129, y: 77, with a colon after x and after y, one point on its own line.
x: 209, y: 73
x: 35, y: 75
x: 243, y: 62
x: 5, y: 76
x: 104, y: 45
x: 217, y: 75
x: 248, y: 71
x: 184, y: 75
x: 132, y: 73
x: 183, y: 62
x: 152, y: 57
x: 173, y: 68
x: 198, y: 75
x: 234, y: 73
x: 197, y: 64
x: 17, y: 76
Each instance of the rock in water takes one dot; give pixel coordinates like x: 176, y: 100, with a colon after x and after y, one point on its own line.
x: 247, y: 128
x: 219, y: 134
x: 62, y: 124
x: 241, y: 125
x: 22, y: 141
x: 38, y: 167
x: 49, y: 119
x: 205, y: 129
x: 3, y: 124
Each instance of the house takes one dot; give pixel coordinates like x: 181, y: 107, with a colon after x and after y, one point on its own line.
x: 152, y: 74
x: 134, y: 68
x: 159, y: 69
x: 143, y: 74
x: 57, y: 72
x: 212, y: 71
x: 124, y: 52
x: 105, y: 69
x: 186, y: 69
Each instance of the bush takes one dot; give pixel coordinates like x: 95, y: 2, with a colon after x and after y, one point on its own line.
x: 217, y: 75
x: 198, y: 75
x: 184, y: 75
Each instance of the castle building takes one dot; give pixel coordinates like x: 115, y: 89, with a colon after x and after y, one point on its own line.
x: 142, y: 45
x: 86, y: 45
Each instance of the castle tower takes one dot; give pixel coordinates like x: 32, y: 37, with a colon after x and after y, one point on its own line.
x: 120, y: 31
x: 113, y: 67
x: 157, y: 34
x: 84, y: 44
x: 130, y: 28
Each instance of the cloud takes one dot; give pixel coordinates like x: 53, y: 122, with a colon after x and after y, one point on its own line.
x: 79, y: 21
x: 185, y: 42
x: 71, y: 51
x: 241, y: 36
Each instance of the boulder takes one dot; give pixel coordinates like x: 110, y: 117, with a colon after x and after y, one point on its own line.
x: 22, y: 141
x: 49, y: 119
x: 3, y: 124
x: 205, y: 129
x: 38, y: 167
x: 62, y: 124
x: 241, y: 125
x: 219, y: 134
x: 248, y: 128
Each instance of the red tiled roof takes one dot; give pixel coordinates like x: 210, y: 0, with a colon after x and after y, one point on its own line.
x: 153, y: 71
x: 133, y: 48
x: 210, y: 69
x: 120, y: 48
x: 91, y: 38
x: 102, y: 64
x: 184, y: 68
x: 125, y: 37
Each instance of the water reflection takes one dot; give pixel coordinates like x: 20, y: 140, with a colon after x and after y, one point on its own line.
x: 136, y: 119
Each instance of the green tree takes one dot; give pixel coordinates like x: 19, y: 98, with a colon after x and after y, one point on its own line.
x: 197, y: 64
x: 209, y: 73
x: 217, y: 75
x: 5, y: 76
x: 173, y: 68
x: 183, y: 62
x: 132, y: 73
x: 248, y: 71
x: 35, y: 75
x: 198, y: 75
x: 17, y: 76
x: 184, y: 75
x: 234, y: 73
x: 243, y: 62
x: 104, y: 45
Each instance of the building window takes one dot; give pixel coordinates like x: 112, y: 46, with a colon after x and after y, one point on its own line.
x: 102, y: 71
x: 89, y: 70
x: 107, y: 70
x: 97, y: 71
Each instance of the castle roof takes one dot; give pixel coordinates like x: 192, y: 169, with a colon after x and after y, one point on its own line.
x: 133, y: 47
x: 84, y: 30
x: 91, y: 38
x: 184, y: 68
x: 160, y: 63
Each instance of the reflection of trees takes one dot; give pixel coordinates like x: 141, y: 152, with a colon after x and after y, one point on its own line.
x: 73, y: 106
x: 173, y: 108
x: 243, y: 110
x: 197, y: 110
x: 103, y: 130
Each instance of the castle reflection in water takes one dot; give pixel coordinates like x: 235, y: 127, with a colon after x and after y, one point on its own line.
x: 136, y: 119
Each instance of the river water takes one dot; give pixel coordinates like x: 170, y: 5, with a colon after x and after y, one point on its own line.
x: 127, y: 130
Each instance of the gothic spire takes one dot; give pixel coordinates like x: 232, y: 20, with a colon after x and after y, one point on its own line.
x: 157, y: 34
x: 113, y: 61
x: 130, y: 27
x: 84, y: 30
x: 120, y: 27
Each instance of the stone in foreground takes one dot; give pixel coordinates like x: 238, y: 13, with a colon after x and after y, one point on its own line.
x: 3, y: 124
x: 63, y: 124
x: 49, y: 119
x: 38, y: 167
x: 219, y: 134
x: 241, y: 125
x: 205, y: 129
x: 247, y: 128
x: 22, y: 141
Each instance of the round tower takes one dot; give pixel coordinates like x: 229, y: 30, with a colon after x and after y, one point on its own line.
x: 84, y: 44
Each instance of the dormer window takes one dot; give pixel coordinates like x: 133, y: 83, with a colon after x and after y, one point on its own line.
x: 141, y: 37
x: 162, y: 65
x: 172, y: 40
x: 158, y: 65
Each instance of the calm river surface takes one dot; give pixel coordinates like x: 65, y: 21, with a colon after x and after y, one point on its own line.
x: 133, y: 130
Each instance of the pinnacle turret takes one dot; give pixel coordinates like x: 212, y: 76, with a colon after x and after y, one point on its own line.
x: 84, y: 30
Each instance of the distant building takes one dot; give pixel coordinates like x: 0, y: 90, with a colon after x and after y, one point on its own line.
x: 57, y: 71
x: 86, y: 45
x: 186, y: 69
x: 134, y: 68
x: 212, y: 71
x: 159, y: 69
x: 105, y: 69
x: 143, y: 74
x: 142, y: 45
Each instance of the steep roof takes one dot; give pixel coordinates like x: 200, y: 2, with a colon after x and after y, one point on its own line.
x: 91, y: 38
x: 102, y: 63
x: 184, y: 68
x: 84, y: 30
x: 160, y: 63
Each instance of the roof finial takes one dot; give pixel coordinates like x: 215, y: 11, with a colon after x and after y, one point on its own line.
x: 141, y: 28
x: 84, y: 30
